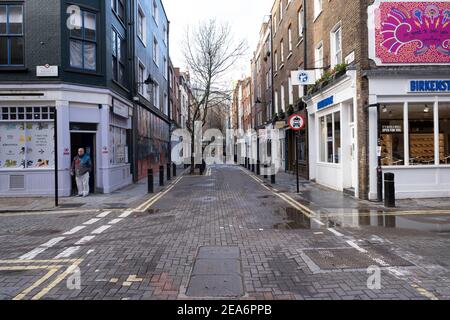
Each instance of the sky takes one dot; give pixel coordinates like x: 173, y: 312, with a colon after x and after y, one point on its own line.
x: 244, y: 16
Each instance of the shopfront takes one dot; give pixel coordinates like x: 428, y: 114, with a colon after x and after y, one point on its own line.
x: 411, y: 88
x: 333, y: 157
x: 414, y: 128
x: 91, y: 119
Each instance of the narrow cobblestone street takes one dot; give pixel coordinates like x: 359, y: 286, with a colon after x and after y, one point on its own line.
x: 223, y: 235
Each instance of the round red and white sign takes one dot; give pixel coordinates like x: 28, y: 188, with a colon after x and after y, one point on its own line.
x: 296, y: 122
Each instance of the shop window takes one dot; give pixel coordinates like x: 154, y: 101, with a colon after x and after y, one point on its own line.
x: 421, y: 134
x: 392, y: 139
x: 118, y: 145
x: 444, y: 133
x: 330, y: 138
x: 26, y: 144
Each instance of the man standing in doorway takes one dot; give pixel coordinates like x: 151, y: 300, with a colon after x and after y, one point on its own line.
x: 81, y: 166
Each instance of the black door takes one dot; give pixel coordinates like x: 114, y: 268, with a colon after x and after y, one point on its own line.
x: 86, y: 141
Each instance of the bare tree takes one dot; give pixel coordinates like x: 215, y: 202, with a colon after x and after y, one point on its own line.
x: 210, y: 52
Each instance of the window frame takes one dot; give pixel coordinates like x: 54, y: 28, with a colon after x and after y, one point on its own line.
x: 83, y: 40
x: 8, y: 36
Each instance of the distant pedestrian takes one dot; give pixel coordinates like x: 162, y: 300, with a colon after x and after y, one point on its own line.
x: 81, y: 167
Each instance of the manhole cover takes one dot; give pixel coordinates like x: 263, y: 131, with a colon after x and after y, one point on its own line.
x: 43, y: 232
x: 352, y: 259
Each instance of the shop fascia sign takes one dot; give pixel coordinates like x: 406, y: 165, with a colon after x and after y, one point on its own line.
x: 441, y: 86
x: 409, y: 32
x: 120, y: 108
x: 325, y: 103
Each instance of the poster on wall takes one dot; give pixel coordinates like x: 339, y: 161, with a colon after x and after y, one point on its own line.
x: 409, y: 32
x: 26, y: 145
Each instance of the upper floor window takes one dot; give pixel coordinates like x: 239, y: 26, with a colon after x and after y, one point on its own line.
x: 11, y: 35
x: 282, y: 51
x: 336, y: 46
x: 118, y: 7
x: 141, y: 79
x: 281, y: 10
x: 155, y: 51
x: 317, y: 8
x: 300, y: 22
x: 155, y: 11
x: 83, y: 42
x: 141, y: 24
x: 118, y: 57
x: 290, y: 38
x: 318, y: 57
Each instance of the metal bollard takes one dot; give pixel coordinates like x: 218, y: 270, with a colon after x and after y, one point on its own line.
x: 150, y: 180
x: 265, y: 171
x: 253, y: 167
x: 272, y: 176
x: 169, y: 175
x: 174, y: 169
x: 258, y: 168
x: 389, y: 190
x: 161, y: 176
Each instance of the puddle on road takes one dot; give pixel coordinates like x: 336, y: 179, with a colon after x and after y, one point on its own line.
x: 294, y: 219
x: 356, y: 218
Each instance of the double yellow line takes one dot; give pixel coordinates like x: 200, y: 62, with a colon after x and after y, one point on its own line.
x: 147, y: 204
x: 294, y: 203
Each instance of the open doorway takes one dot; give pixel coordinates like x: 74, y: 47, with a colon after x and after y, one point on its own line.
x: 86, y: 141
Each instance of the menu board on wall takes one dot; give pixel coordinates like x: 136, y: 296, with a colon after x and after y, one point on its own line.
x: 409, y: 32
x: 26, y: 145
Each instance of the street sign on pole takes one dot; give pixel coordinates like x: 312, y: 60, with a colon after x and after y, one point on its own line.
x: 303, y: 77
x: 297, y: 123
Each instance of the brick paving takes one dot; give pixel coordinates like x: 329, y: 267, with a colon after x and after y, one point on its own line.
x: 151, y: 255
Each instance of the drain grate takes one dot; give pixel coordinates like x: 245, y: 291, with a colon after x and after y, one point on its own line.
x: 329, y: 259
x: 115, y: 206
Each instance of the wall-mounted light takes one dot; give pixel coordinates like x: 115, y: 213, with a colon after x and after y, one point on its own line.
x: 427, y: 109
x: 385, y: 109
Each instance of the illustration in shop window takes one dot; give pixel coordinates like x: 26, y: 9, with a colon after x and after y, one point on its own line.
x: 413, y: 32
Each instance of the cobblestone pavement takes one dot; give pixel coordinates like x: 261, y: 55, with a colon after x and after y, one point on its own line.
x: 284, y: 251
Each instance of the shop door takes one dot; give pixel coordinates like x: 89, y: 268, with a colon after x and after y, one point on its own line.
x: 354, y: 166
x: 86, y: 141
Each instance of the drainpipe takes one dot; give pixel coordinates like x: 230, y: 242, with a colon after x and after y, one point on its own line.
x: 132, y: 40
x: 168, y: 98
x: 305, y: 89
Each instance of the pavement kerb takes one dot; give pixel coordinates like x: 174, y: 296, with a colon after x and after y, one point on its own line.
x: 87, y: 210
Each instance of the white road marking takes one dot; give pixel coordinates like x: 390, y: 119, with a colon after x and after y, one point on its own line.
x: 74, y: 230
x: 101, y: 229
x: 126, y: 214
x: 92, y: 221
x: 33, y: 253
x: 354, y: 245
x: 68, y: 252
x: 104, y: 214
x: 115, y: 221
x: 336, y: 233
x: 85, y: 240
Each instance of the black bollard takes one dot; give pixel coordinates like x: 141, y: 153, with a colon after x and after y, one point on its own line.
x: 161, y: 176
x: 169, y: 175
x: 258, y: 168
x: 150, y: 180
x: 389, y: 190
x: 253, y: 167
x: 265, y: 171
x: 174, y: 169
x: 272, y: 176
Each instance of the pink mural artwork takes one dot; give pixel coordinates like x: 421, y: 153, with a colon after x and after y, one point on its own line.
x: 413, y: 32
